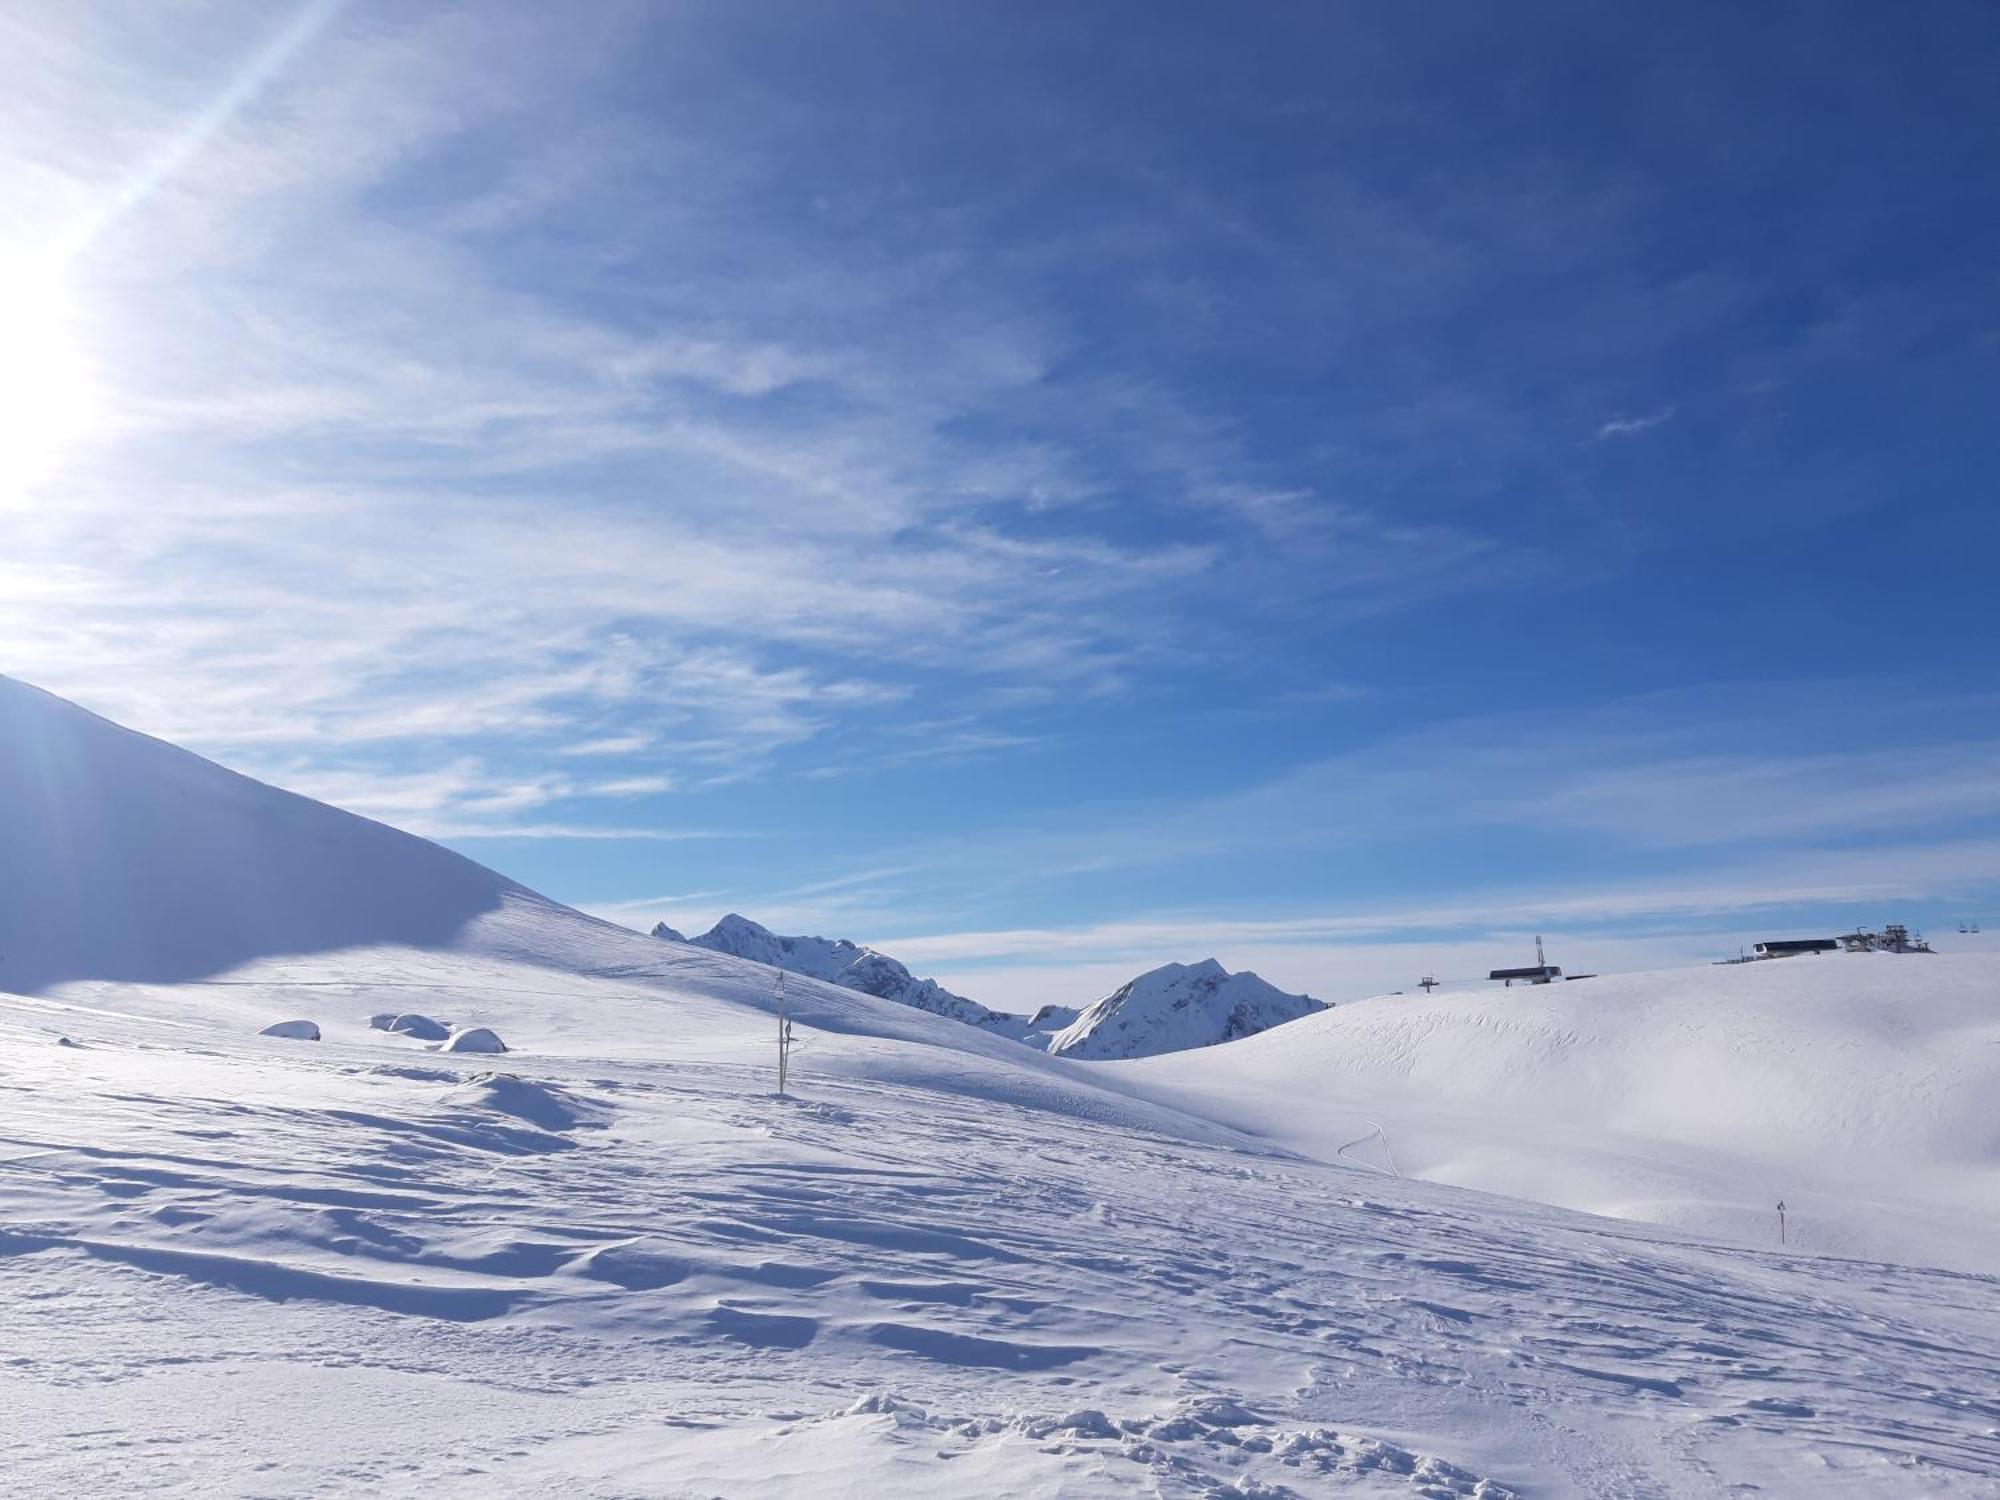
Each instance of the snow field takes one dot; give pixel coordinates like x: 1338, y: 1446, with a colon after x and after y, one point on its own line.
x: 1864, y: 1090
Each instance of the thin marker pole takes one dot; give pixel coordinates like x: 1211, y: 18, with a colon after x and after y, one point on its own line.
x: 784, y: 1036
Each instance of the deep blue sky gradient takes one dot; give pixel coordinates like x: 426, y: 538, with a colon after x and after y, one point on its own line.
x: 1308, y: 464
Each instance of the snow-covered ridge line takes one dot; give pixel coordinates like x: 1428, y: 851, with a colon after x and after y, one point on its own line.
x: 1167, y: 1009
x: 1180, y: 1006
x: 838, y: 961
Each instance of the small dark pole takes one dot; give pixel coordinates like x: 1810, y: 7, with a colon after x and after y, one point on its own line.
x: 1781, y: 1221
x: 784, y: 1036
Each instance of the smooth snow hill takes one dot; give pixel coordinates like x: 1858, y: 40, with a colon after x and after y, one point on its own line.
x: 122, y: 857
x: 1176, y: 1007
x: 1862, y: 1089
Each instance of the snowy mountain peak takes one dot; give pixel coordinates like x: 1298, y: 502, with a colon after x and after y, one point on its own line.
x: 844, y: 963
x: 664, y: 932
x: 1178, y: 1006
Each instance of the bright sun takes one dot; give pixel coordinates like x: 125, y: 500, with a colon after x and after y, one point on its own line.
x: 47, y: 397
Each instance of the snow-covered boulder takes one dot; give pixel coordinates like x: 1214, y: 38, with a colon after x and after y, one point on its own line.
x: 473, y: 1039
x: 297, y: 1031
x: 423, y: 1028
x: 1178, y: 1006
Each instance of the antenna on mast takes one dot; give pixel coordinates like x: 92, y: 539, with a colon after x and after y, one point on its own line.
x: 1541, y: 959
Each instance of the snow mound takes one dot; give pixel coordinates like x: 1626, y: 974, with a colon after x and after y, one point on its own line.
x: 1178, y: 1006
x: 298, y: 1031
x: 423, y: 1028
x: 543, y: 1105
x: 474, y: 1039
x: 125, y: 858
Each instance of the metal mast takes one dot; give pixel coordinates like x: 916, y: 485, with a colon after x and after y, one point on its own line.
x: 784, y: 1036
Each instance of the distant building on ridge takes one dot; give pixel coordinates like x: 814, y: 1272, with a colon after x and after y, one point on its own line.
x: 1793, y: 947
x: 1543, y: 972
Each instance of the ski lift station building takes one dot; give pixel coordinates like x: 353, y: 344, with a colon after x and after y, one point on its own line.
x: 1536, y: 974
x: 1793, y: 947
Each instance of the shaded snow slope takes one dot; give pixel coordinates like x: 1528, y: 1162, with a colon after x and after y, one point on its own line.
x: 1178, y: 1006
x: 122, y: 857
x: 1862, y: 1089
x: 838, y: 961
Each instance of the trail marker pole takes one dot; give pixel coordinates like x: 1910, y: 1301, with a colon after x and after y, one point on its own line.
x: 1781, y: 1221
x: 784, y: 1037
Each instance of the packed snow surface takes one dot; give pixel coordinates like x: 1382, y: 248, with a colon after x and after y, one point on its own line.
x: 1176, y: 1007
x: 615, y: 1263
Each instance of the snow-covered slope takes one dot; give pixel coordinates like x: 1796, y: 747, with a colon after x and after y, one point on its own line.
x: 125, y: 858
x: 1178, y: 1006
x: 612, y: 1262
x: 837, y: 961
x: 1864, y: 1090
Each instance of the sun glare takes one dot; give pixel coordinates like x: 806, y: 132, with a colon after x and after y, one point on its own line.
x: 47, y: 397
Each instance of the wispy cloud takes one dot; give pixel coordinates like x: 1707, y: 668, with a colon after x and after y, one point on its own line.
x: 399, y: 495
x: 1628, y: 426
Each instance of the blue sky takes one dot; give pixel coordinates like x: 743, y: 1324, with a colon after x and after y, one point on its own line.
x: 1047, y: 490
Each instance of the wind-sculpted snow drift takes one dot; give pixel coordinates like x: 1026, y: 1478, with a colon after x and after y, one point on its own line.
x: 611, y: 1261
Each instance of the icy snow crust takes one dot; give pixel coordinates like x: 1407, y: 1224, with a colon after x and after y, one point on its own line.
x: 611, y: 1262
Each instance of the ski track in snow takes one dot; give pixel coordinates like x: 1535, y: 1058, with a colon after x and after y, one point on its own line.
x: 1375, y: 1132
x: 618, y: 1271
